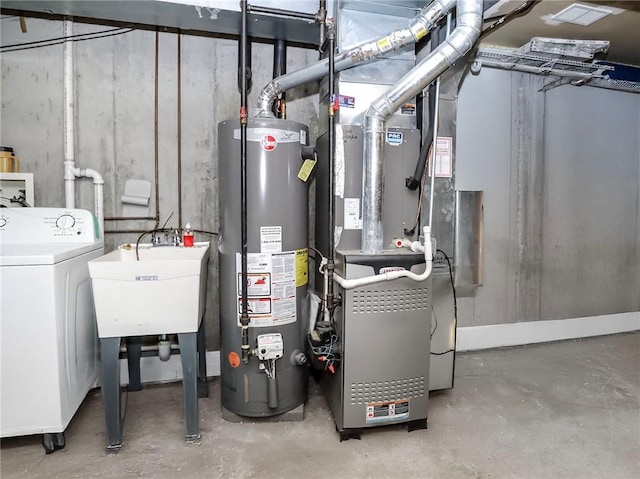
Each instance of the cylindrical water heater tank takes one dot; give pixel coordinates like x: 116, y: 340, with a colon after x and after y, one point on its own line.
x: 277, y: 266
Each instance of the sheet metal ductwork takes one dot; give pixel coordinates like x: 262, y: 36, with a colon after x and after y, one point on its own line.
x: 426, y: 19
x: 469, y: 15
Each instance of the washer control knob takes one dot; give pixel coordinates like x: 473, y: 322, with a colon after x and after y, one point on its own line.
x: 64, y: 222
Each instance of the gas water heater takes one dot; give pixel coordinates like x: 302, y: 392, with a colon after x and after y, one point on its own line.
x: 274, y: 380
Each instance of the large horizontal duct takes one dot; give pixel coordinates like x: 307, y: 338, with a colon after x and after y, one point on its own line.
x: 426, y: 19
x: 469, y: 24
x: 190, y: 16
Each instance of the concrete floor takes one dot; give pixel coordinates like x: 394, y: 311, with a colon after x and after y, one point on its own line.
x: 568, y: 409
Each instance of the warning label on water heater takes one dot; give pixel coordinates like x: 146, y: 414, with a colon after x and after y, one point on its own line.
x: 271, y: 288
x: 270, y: 239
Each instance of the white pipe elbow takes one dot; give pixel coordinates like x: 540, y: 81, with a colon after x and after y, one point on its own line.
x: 89, y: 173
x: 392, y: 275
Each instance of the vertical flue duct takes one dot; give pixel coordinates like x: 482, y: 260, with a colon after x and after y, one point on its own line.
x: 469, y: 25
x: 426, y: 19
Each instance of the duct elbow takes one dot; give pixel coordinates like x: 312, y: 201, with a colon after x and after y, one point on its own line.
x: 430, y: 16
x: 266, y: 98
x: 462, y: 40
x: 469, y: 19
x: 375, y: 116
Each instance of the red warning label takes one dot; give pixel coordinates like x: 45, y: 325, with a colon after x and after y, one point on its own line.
x: 268, y: 142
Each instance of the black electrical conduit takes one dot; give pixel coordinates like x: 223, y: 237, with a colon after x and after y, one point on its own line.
x: 414, y: 182
x: 280, y: 12
x: 519, y: 10
x: 244, y: 314
x: 280, y: 68
x: 179, y: 133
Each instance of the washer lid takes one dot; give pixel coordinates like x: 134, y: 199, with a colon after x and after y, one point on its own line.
x: 43, y: 254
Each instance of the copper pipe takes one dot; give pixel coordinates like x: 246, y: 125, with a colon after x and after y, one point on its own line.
x: 155, y: 218
x: 155, y: 125
x: 132, y: 218
x: 126, y: 231
x: 179, y: 130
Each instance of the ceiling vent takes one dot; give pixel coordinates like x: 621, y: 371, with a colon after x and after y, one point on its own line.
x: 581, y: 14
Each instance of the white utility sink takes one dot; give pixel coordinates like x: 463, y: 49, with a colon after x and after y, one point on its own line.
x: 161, y: 293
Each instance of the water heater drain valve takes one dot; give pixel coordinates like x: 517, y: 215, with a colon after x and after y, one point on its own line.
x: 270, y: 346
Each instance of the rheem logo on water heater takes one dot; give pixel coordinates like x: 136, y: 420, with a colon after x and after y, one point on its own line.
x: 268, y: 142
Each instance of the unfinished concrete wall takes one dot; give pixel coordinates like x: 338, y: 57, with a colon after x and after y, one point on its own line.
x: 114, y: 118
x: 561, y: 172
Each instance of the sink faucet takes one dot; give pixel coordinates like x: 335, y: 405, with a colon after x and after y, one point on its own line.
x: 170, y: 239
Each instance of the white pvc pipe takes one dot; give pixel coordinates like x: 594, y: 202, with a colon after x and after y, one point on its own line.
x: 67, y: 93
x: 325, y: 296
x: 434, y: 151
x: 414, y: 246
x: 70, y: 170
x: 392, y: 275
x: 436, y: 124
x: 98, y: 194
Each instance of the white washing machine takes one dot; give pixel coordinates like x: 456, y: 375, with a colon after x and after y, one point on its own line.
x: 48, y: 334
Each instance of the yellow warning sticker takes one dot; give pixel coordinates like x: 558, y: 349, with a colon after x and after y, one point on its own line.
x: 421, y: 33
x: 306, y: 169
x: 385, y: 44
x: 302, y: 267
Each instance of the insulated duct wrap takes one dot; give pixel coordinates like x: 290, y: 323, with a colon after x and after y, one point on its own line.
x: 419, y: 27
x: 458, y: 44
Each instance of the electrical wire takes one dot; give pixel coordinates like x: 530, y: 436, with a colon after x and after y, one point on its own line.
x: 455, y: 304
x: 316, y: 251
x: 435, y: 318
x: 453, y: 286
x: 59, y: 41
x: 327, y: 352
x: 156, y: 230
x: 443, y: 352
x: 212, y: 233
x: 421, y: 194
x: 522, y: 8
x: 20, y: 201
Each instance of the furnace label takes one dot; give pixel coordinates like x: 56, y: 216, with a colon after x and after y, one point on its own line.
x: 387, y: 411
x: 394, y: 138
x: 352, y: 217
x: 444, y: 157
